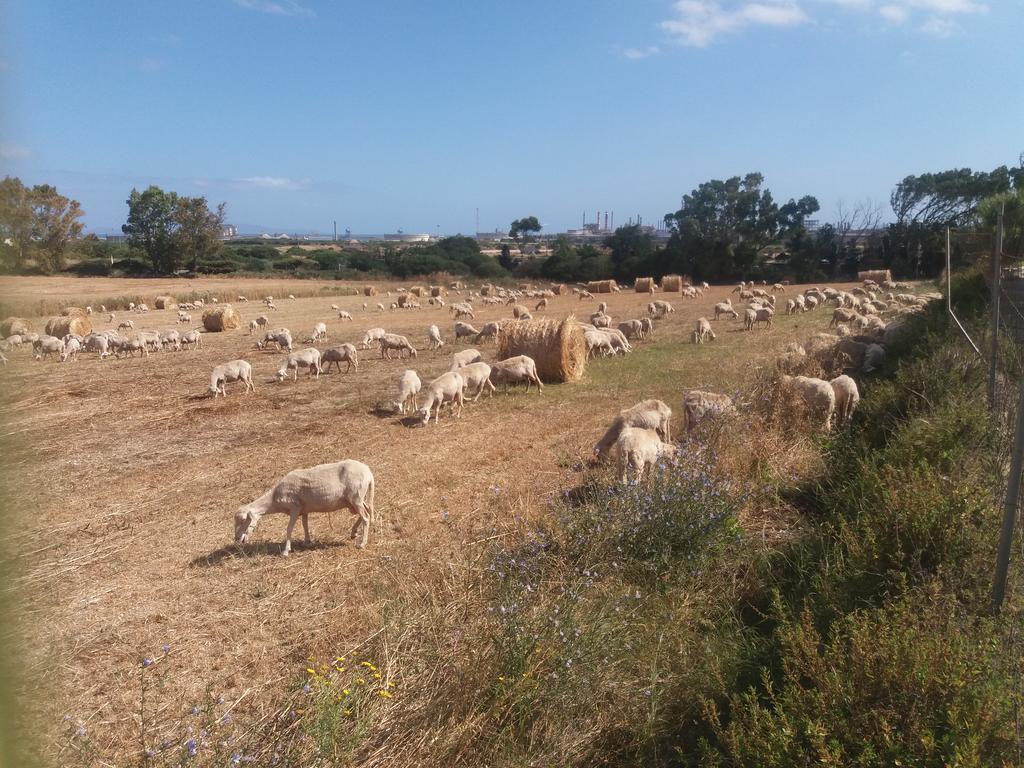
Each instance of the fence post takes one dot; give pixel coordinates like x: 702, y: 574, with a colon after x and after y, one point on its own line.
x: 1010, y: 508
x: 997, y: 272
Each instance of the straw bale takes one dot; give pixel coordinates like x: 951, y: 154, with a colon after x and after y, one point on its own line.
x: 165, y: 302
x: 418, y: 290
x: 556, y: 346
x: 13, y: 326
x: 486, y: 290
x: 559, y: 289
x: 74, y: 323
x: 878, y: 275
x: 644, y: 284
x: 672, y: 283
x: 437, y: 291
x: 221, y: 318
x: 369, y: 290
x: 602, y: 286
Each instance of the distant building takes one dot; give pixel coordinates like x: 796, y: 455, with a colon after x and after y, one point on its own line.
x: 228, y: 231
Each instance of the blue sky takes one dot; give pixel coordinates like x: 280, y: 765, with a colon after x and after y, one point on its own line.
x: 411, y: 114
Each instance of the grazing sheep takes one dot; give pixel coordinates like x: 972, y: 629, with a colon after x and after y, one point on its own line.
x: 764, y: 315
x: 520, y: 312
x: 371, y: 336
x: 847, y: 397
x: 515, y: 370
x: 342, y: 353
x: 45, y: 346
x: 703, y: 331
x: 476, y: 376
x: 380, y: 307
x: 171, y: 339
x: 242, y: 298
x: 71, y: 349
x: 262, y: 321
x: 319, y: 332
x: 790, y: 306
x: 409, y: 386
x: 749, y: 318
x: 392, y: 341
x: 647, y: 414
x: 151, y: 339
x: 125, y: 325
x: 725, y: 308
x: 542, y: 304
x: 304, y: 358
x: 810, y: 302
x: 434, y: 339
x: 253, y: 327
x: 280, y: 336
x: 463, y: 310
x: 236, y: 370
x: 464, y: 358
x: 446, y: 388
x: 343, y: 315
x: 193, y: 337
x: 600, y: 320
x: 662, y: 308
x: 699, y: 405
x: 335, y: 307
x: 598, y: 342
x: 324, y: 488
x: 463, y: 330
x: 632, y: 329
x: 817, y: 396
x: 640, y: 448
x: 184, y: 318
x: 96, y: 342
x: 489, y: 331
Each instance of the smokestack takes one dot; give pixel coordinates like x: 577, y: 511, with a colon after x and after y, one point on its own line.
x: 606, y: 221
x: 613, y: 219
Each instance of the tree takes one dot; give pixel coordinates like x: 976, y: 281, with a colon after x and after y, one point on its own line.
x: 55, y: 222
x: 631, y: 249
x: 521, y: 228
x: 15, y: 221
x: 505, y: 259
x: 198, y: 229
x: 151, y: 226
x: 1012, y: 206
x: 721, y: 226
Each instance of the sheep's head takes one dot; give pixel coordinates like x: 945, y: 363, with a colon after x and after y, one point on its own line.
x: 246, y: 520
x: 282, y: 373
x: 424, y: 415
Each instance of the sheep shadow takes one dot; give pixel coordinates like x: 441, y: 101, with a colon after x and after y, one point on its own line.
x: 255, y: 549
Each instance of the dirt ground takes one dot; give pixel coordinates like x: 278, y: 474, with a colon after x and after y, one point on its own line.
x: 126, y: 476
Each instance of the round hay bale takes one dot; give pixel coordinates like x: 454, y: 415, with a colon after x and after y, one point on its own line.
x: 13, y: 326
x: 486, y: 290
x: 878, y: 275
x: 62, y: 326
x: 602, y: 286
x: 223, y: 317
x: 672, y: 283
x: 165, y: 302
x: 436, y: 291
x: 559, y: 289
x: 369, y: 290
x: 418, y: 290
x: 644, y: 284
x: 73, y: 312
x: 556, y: 346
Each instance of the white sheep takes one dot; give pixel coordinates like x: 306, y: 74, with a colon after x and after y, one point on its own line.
x: 409, y: 385
x: 345, y: 484
x: 600, y: 320
x: 125, y: 325
x: 662, y: 308
x: 647, y: 414
x: 434, y: 339
x: 171, y: 339
x: 476, y: 377
x: 463, y: 330
x: 464, y: 358
x: 817, y: 396
x: 514, y: 370
x: 702, y: 332
x: 335, y: 307
x: 640, y: 448
x: 392, y: 341
x: 847, y: 397
x: 764, y: 315
x: 542, y: 304
x: 304, y: 358
x: 236, y: 370
x: 45, y: 346
x: 380, y: 307
x: 343, y: 315
x: 598, y: 342
x: 193, y: 337
x: 725, y: 308
x: 97, y: 342
x: 71, y: 349
x: 280, y: 336
x: 371, y: 336
x: 319, y: 332
x: 242, y: 298
x: 699, y: 405
x: 446, y: 388
x: 341, y: 353
x: 489, y: 331
x: 632, y: 329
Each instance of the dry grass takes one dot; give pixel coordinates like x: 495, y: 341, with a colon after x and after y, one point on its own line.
x: 126, y: 478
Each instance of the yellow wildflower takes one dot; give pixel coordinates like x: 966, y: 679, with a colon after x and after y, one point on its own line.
x: 311, y: 670
x: 376, y: 675
x: 385, y: 694
x: 360, y: 681
x: 346, y: 691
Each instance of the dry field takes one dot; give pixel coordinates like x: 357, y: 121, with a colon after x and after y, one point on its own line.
x: 126, y: 476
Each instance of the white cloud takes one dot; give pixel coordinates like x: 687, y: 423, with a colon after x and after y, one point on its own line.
x: 936, y: 26
x: 276, y: 7
x: 641, y: 53
x: 9, y: 151
x: 698, y: 22
x: 272, y: 182
x: 894, y: 14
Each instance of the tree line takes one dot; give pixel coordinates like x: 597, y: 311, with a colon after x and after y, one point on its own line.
x: 724, y: 230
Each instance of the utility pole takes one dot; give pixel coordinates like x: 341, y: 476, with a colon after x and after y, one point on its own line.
x: 997, y: 272
x: 335, y: 230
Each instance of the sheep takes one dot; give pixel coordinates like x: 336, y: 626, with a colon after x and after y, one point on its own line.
x: 600, y: 320
x: 253, y: 327
x: 618, y: 339
x: 242, y: 298
x: 489, y: 331
x: 765, y: 315
x: 640, y: 448
x: 151, y: 339
x: 184, y: 318
x: 464, y: 358
x: 171, y: 339
x: 542, y: 304
x: 45, y: 346
x: 446, y: 388
x: 816, y: 395
x: 111, y: 317
x: 647, y: 414
x: 790, y: 306
x: 841, y: 315
x: 725, y: 308
x: 291, y: 297
x: 319, y: 332
x: 847, y: 397
x: 632, y: 329
x: 514, y: 370
x: 304, y: 358
x: 345, y: 484
x: 343, y: 315
x: 390, y: 341
x: 463, y: 330
x: 236, y: 370
x: 193, y: 337
x: 463, y: 310
x: 71, y: 349
x: 476, y: 376
x: 342, y: 353
x: 335, y: 307
x: 702, y: 332
x: 520, y: 312
x: 125, y: 325
x: 371, y: 336
x: 598, y: 342
x: 380, y: 307
x: 779, y: 287
x: 698, y: 405
x: 434, y: 339
x: 801, y: 303
x: 662, y: 308
x: 96, y: 342
x: 749, y: 318
x: 131, y: 306
x: 409, y: 386
x: 262, y: 321
x: 810, y: 302
x: 280, y: 336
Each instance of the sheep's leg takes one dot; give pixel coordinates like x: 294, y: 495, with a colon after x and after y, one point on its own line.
x: 292, y: 517
x: 355, y: 526
x: 305, y: 528
x: 364, y: 520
